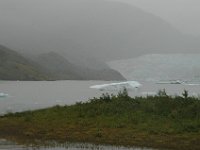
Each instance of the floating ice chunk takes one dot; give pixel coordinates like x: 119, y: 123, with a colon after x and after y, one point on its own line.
x: 171, y: 82
x: 3, y: 95
x: 193, y: 84
x: 129, y: 85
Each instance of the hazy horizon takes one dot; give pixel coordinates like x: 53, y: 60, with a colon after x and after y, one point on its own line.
x: 106, y: 29
x: 182, y: 14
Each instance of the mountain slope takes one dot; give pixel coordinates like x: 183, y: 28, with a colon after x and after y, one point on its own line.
x: 15, y: 67
x: 49, y: 66
x: 60, y: 68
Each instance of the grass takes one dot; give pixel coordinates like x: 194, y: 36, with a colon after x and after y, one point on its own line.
x: 160, y: 121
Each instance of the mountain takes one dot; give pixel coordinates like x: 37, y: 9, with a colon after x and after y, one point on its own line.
x: 13, y: 66
x: 160, y: 67
x: 99, y: 29
x: 60, y: 68
x: 105, y: 29
x: 48, y: 66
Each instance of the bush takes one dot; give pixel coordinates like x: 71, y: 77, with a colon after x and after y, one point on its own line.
x: 123, y: 94
x: 162, y: 93
x: 185, y: 94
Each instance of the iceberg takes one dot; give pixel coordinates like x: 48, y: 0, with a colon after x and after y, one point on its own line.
x: 129, y: 85
x: 3, y: 95
x: 171, y: 82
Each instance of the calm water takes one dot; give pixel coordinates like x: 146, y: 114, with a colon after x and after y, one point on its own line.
x: 5, y: 145
x: 25, y: 95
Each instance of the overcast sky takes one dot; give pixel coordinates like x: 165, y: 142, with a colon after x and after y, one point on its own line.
x: 183, y: 14
x: 100, y: 28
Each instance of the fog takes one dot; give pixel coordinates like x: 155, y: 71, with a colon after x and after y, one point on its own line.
x: 96, y: 28
x: 182, y: 14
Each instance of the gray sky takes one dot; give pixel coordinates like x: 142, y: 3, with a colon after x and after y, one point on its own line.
x: 183, y: 14
x: 109, y: 30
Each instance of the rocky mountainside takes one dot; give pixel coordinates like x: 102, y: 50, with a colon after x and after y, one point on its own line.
x: 48, y: 66
x: 61, y: 68
x: 13, y: 66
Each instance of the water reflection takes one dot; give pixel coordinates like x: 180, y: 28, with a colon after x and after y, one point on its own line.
x: 6, y: 145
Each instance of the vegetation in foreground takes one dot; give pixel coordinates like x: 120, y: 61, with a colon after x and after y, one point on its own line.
x: 159, y: 121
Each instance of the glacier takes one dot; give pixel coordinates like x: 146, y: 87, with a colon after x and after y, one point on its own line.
x: 156, y: 67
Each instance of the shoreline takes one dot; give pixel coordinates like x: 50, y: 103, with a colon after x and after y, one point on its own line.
x: 161, y: 121
x: 79, y: 145
x: 155, y: 142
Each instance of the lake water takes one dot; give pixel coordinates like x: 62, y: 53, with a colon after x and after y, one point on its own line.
x: 26, y: 95
x: 5, y: 145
